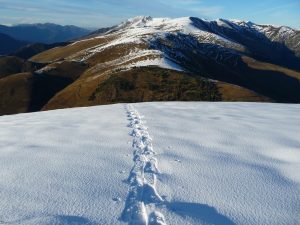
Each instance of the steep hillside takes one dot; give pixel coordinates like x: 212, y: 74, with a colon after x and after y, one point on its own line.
x: 30, y: 50
x: 146, y: 84
x: 160, y: 59
x: 11, y: 65
x: 28, y: 92
x: 15, y: 92
x: 213, y: 49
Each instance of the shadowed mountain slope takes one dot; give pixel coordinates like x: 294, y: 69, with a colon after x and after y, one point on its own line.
x: 47, y: 33
x: 188, y: 59
x: 9, y: 44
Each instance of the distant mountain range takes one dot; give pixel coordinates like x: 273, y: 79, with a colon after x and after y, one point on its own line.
x: 47, y: 33
x: 14, y: 37
x: 160, y: 59
x: 9, y: 44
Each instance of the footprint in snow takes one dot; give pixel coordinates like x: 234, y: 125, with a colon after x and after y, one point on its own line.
x: 118, y: 199
x: 165, y: 198
x: 156, y: 218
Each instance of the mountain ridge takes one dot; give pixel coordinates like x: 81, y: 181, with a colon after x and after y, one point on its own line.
x: 9, y: 44
x: 184, y: 59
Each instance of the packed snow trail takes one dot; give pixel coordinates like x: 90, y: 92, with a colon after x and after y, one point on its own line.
x: 142, y: 196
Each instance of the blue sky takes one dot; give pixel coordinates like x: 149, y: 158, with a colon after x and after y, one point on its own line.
x: 101, y: 13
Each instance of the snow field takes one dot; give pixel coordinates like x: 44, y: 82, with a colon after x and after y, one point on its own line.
x: 152, y: 163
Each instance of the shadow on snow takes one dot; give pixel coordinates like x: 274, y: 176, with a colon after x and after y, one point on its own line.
x: 202, y: 212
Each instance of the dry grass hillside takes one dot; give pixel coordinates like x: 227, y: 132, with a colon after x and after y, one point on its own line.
x: 263, y: 66
x: 128, y: 66
x: 12, y: 65
x: 147, y: 84
x: 61, y: 53
x: 15, y: 93
x: 65, y: 81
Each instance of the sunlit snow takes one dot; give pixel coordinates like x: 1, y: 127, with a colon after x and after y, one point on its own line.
x: 175, y: 163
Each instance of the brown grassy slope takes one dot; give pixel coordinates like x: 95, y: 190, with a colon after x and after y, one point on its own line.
x: 145, y: 84
x: 277, y: 85
x: 15, y: 93
x: 233, y: 93
x: 258, y: 65
x: 28, y: 92
x: 269, y: 80
x: 110, y: 58
x: 66, y: 69
x: 30, y: 50
x: 11, y: 65
x: 135, y: 85
x: 60, y: 53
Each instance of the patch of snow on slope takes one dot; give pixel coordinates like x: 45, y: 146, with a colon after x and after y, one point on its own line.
x: 160, y: 62
x: 141, y: 30
x: 223, y: 23
x: 137, y: 58
x: 272, y: 32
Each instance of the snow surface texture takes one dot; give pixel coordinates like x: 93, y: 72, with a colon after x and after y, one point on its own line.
x: 142, y: 177
x: 188, y: 163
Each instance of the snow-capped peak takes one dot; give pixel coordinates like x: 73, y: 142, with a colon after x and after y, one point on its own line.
x: 147, y: 31
x: 250, y: 24
x: 135, y: 22
x: 191, y: 25
x: 140, y: 19
x: 159, y: 24
x: 164, y: 41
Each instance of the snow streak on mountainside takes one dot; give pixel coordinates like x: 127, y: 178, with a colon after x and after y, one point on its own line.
x: 153, y: 31
x: 186, y: 44
x: 188, y: 163
x: 281, y: 34
x: 241, y: 56
x: 148, y: 31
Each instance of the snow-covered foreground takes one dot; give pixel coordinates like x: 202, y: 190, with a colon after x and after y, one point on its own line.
x: 152, y: 163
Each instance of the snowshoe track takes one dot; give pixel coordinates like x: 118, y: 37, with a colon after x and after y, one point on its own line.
x: 142, y: 198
